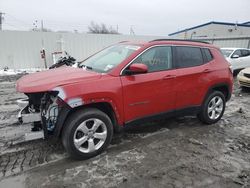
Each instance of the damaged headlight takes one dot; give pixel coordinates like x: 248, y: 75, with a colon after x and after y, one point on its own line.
x: 50, y: 110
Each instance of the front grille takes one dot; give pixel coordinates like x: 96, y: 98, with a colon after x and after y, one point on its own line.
x: 246, y: 84
x: 247, y: 75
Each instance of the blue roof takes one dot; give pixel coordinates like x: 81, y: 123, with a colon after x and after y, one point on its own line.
x: 246, y: 24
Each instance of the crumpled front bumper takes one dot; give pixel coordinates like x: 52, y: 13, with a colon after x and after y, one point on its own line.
x: 24, y: 116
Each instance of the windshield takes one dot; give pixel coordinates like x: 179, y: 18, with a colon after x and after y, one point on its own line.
x: 226, y: 52
x: 110, y: 57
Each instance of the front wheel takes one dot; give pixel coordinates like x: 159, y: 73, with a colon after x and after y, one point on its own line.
x: 87, y: 133
x: 213, y: 108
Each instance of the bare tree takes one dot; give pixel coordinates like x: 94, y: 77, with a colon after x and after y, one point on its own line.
x: 43, y: 30
x: 101, y: 29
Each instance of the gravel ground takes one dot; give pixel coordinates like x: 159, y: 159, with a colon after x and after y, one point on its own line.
x: 177, y: 152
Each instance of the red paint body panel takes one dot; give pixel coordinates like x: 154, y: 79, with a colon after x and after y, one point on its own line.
x: 190, y: 86
x: 147, y: 94
x: 106, y: 89
x: 138, y: 68
x: 49, y: 79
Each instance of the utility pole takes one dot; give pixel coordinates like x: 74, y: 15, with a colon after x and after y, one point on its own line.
x: 131, y: 30
x: 1, y: 20
x: 42, y: 25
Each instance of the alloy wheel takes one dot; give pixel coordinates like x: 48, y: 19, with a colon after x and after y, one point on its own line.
x: 215, y: 107
x: 90, y: 135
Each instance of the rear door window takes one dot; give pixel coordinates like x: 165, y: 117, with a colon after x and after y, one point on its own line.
x: 245, y: 53
x: 188, y: 56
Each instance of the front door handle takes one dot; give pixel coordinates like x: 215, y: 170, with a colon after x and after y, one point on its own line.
x: 169, y: 77
x: 207, y: 70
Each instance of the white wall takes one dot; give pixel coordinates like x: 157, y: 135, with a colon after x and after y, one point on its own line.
x: 21, y: 49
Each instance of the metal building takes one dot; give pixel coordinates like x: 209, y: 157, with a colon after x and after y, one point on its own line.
x: 213, y: 30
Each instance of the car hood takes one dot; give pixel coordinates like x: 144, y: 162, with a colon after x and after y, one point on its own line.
x: 246, y: 70
x: 49, y: 79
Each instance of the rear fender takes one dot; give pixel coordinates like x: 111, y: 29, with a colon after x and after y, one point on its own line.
x: 216, y: 87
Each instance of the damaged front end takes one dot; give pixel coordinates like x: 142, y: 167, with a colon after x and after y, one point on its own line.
x: 42, y: 110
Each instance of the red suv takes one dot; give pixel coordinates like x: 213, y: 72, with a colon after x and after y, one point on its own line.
x: 123, y: 84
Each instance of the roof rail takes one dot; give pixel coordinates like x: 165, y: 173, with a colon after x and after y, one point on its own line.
x: 180, y: 40
x: 123, y: 41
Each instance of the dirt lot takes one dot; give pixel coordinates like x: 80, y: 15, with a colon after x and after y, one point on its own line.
x: 178, y: 152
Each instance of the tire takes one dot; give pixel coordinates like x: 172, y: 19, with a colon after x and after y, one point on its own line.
x: 212, y: 110
x: 243, y: 88
x: 87, y: 133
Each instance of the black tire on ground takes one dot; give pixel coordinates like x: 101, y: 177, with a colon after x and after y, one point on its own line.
x: 86, y: 117
x: 243, y: 88
x: 204, y: 116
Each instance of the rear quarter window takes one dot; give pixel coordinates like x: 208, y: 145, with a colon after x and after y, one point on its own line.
x: 207, y: 55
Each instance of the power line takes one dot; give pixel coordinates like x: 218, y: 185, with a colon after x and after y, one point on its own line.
x: 14, y: 22
x: 11, y: 25
x: 52, y: 24
x: 20, y: 21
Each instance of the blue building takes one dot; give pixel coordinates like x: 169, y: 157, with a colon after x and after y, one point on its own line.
x: 213, y: 29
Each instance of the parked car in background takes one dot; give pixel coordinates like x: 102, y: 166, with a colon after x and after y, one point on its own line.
x: 124, y: 84
x: 244, y: 78
x: 239, y: 58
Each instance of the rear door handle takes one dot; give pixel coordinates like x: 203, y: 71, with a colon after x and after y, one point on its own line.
x: 207, y: 70
x: 169, y: 77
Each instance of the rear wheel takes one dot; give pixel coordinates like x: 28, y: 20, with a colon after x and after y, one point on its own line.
x: 87, y: 133
x: 213, y: 108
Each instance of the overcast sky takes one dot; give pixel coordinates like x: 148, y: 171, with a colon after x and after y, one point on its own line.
x: 147, y: 17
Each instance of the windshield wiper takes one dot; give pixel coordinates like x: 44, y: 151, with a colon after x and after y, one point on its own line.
x: 86, y: 66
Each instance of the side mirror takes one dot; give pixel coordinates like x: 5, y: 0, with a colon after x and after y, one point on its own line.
x: 235, y: 56
x: 136, y: 68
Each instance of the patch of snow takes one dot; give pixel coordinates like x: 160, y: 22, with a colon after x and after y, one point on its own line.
x: 19, y: 71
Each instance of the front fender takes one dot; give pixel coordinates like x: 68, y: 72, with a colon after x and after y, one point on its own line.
x: 74, y: 102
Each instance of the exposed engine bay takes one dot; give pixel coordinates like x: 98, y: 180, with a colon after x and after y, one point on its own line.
x: 41, y: 109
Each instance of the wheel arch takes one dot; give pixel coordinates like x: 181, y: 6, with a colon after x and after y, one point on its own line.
x: 222, y: 87
x: 105, y: 107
